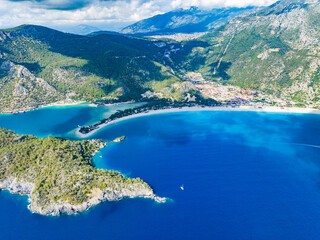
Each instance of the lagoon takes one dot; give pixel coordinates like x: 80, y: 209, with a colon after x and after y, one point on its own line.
x: 246, y: 175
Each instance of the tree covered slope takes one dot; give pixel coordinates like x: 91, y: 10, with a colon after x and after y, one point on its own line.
x: 104, y: 66
x: 275, y: 50
x: 58, y: 175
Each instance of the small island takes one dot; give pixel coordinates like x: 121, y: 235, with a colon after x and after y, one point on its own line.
x: 58, y: 175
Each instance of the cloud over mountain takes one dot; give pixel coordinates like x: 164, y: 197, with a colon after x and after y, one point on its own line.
x: 100, y: 12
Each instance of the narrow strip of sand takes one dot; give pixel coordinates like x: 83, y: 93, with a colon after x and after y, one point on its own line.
x: 198, y: 108
x: 63, y: 104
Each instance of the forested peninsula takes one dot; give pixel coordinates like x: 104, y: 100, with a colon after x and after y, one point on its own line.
x: 58, y: 175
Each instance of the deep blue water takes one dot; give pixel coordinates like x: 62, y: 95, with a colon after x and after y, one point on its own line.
x: 246, y: 176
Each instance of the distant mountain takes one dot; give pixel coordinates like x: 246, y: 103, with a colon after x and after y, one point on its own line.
x: 96, y: 33
x: 276, y: 50
x: 83, y: 29
x: 185, y: 21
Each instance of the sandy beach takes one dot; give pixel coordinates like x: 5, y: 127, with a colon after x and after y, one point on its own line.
x: 62, y: 104
x: 198, y: 108
x: 54, y: 104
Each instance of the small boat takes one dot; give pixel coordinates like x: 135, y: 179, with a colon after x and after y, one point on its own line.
x: 182, y: 187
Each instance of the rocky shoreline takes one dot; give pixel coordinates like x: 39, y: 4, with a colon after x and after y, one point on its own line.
x: 108, y: 194
x: 17, y: 187
x: 116, y: 185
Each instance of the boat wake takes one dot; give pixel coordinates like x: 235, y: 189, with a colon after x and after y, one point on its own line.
x: 306, y: 145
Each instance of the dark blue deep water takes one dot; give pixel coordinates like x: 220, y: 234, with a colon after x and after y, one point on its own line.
x: 246, y: 176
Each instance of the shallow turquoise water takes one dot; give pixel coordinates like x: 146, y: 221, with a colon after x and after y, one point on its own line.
x: 246, y: 176
x: 58, y: 121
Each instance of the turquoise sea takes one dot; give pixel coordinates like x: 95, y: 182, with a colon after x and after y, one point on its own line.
x: 246, y: 175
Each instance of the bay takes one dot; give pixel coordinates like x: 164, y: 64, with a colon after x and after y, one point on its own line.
x: 246, y: 175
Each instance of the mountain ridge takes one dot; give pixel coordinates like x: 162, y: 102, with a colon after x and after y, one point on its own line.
x: 184, y: 21
x: 275, y: 50
x: 109, y: 67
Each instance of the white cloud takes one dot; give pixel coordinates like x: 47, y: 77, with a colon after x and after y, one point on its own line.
x: 100, y: 13
x: 220, y: 3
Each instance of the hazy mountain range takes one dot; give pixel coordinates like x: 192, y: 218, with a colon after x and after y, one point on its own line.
x: 185, y: 21
x: 83, y: 29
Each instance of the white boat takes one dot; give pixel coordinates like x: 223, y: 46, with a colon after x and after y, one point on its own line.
x: 182, y: 187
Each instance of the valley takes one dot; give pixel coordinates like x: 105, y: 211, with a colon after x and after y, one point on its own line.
x: 255, y: 52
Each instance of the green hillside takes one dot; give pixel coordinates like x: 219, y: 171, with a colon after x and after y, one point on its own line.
x: 58, y: 175
x: 275, y: 50
x: 87, y: 68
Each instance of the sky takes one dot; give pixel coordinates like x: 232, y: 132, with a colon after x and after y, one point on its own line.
x: 104, y: 14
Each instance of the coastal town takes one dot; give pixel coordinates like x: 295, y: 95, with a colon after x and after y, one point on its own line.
x: 230, y: 95
x: 224, y: 93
